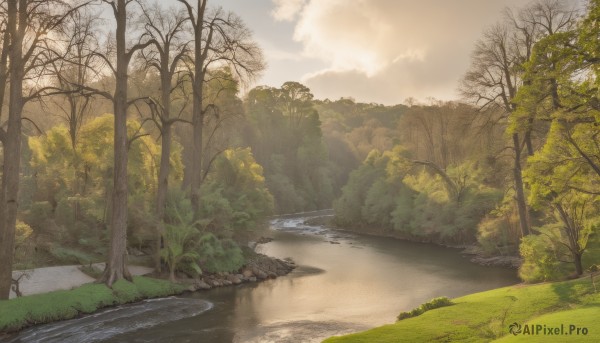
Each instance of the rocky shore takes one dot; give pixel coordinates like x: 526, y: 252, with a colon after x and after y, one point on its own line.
x: 259, y: 267
x: 479, y: 257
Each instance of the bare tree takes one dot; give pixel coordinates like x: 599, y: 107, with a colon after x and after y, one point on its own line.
x: 164, y: 55
x: 220, y: 38
x: 28, y: 49
x: 116, y: 267
x: 78, y: 67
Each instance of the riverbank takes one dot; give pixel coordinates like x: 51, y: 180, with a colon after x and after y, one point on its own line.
x: 87, y: 298
x: 565, y: 311
x: 473, y: 251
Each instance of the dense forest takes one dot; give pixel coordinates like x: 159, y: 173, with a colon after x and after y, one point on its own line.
x: 114, y: 147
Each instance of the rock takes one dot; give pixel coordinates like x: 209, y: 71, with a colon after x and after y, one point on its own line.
x: 226, y: 282
x: 247, y: 273
x: 255, y: 271
x: 200, y: 284
x: 252, y: 279
x: 261, y: 275
x: 272, y: 275
x: 192, y: 288
x: 234, y: 279
x: 135, y: 252
x: 264, y: 240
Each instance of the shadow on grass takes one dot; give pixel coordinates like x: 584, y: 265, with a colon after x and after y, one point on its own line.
x: 572, y: 291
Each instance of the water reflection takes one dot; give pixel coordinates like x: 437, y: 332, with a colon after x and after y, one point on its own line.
x: 349, y: 285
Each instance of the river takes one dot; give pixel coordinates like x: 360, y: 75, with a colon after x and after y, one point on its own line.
x: 344, y: 283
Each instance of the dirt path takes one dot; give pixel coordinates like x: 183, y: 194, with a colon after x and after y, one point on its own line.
x: 43, y: 280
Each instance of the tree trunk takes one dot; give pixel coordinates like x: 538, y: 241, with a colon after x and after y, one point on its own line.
x: 172, y: 273
x: 9, y: 201
x: 578, y: 263
x: 164, y: 169
x: 519, y: 189
x: 116, y: 267
x: 197, y: 111
x: 197, y: 156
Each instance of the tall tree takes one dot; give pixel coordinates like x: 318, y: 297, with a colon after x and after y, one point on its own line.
x: 496, y: 74
x: 26, y: 54
x: 164, y: 56
x: 220, y: 38
x: 116, y: 267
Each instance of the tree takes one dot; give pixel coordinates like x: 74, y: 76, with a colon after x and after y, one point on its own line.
x: 76, y: 67
x: 26, y: 54
x: 562, y: 180
x: 219, y: 38
x: 562, y: 89
x: 496, y: 73
x: 116, y: 267
x: 164, y: 55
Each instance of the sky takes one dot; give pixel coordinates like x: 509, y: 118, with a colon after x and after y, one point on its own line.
x: 382, y: 51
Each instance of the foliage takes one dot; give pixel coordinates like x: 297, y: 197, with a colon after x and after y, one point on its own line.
x: 284, y: 132
x: 71, y: 255
x: 191, y: 251
x: 235, y: 199
x: 219, y: 255
x: 541, y: 255
x: 24, y: 244
x: 390, y: 192
x: 430, y: 305
x: 74, y: 185
x: 180, y: 241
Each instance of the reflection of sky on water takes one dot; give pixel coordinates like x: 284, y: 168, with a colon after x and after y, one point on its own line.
x: 363, y: 281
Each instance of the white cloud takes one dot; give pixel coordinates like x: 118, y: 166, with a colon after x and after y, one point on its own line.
x: 287, y: 10
x: 387, y: 50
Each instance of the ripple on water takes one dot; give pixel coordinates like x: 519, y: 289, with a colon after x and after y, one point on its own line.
x: 297, y: 331
x: 116, y: 321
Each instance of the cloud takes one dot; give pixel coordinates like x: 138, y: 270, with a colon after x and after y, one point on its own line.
x: 287, y: 10
x: 387, y: 50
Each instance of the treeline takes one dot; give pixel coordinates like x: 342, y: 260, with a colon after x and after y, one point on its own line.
x: 434, y: 179
x: 519, y: 171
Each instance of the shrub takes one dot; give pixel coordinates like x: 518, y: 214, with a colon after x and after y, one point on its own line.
x: 220, y: 255
x: 430, y: 305
x: 540, y: 256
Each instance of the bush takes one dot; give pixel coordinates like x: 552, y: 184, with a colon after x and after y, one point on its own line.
x: 38, y: 214
x: 540, y: 256
x: 430, y: 305
x: 220, y: 255
x: 71, y: 256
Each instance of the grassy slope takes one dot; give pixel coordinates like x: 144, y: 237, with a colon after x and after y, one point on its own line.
x: 484, y: 317
x: 59, y: 305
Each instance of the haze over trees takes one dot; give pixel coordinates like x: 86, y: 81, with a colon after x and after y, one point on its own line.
x: 142, y: 142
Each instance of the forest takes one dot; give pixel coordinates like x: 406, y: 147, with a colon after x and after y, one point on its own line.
x: 153, y: 140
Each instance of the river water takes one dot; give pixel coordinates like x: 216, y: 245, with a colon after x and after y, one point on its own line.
x: 344, y: 283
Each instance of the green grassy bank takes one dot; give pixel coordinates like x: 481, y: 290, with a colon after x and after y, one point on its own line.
x: 21, y: 312
x: 486, y: 316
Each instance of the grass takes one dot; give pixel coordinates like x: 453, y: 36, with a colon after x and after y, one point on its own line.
x: 486, y: 316
x: 19, y: 313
